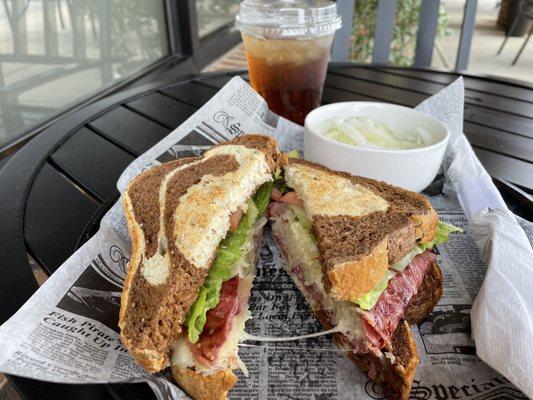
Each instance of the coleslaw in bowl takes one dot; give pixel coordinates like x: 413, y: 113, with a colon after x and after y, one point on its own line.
x: 392, y: 143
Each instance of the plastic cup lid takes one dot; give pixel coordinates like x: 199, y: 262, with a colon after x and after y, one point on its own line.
x: 288, y: 18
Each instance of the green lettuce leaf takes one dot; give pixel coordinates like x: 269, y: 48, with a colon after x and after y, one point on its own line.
x: 262, y: 198
x: 293, y: 154
x: 229, y: 252
x: 279, y: 183
x: 196, y: 317
x: 443, y: 232
x: 277, y: 175
x: 368, y: 300
x: 302, y: 218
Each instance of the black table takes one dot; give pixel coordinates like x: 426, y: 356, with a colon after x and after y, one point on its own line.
x: 55, y: 190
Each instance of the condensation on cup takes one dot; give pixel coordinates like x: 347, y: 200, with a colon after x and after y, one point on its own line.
x: 287, y: 45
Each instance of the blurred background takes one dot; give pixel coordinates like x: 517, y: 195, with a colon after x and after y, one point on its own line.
x: 58, y: 54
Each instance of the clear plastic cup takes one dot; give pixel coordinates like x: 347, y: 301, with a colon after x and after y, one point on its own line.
x: 287, y: 47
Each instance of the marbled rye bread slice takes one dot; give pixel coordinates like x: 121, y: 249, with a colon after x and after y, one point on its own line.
x: 177, y: 213
x: 361, y: 225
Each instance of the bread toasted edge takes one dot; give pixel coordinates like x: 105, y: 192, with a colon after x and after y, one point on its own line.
x: 266, y: 144
x: 395, y: 377
x: 426, y: 224
x: 352, y: 279
x: 427, y: 297
x: 205, y: 387
x: 151, y: 360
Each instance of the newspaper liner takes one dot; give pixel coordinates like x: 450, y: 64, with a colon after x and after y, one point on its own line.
x: 67, y: 331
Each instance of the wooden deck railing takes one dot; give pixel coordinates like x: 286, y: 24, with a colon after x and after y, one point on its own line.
x: 427, y: 28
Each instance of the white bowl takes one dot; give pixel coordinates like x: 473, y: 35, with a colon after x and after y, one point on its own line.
x: 412, y: 169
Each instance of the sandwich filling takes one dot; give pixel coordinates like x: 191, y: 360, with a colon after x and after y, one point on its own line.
x: 215, y: 322
x: 368, y: 322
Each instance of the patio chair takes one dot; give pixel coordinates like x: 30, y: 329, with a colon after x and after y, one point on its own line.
x: 524, y: 11
x: 429, y: 13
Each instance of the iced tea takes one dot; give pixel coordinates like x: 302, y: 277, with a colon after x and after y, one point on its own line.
x: 287, y: 45
x: 288, y: 73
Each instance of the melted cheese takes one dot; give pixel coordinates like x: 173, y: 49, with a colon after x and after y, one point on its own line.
x: 255, y: 338
x: 302, y: 251
x: 203, y: 213
x: 182, y: 356
x: 228, y: 356
x: 324, y: 193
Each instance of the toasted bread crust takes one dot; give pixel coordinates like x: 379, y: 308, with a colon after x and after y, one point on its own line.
x: 368, y: 245
x: 427, y: 297
x: 412, y: 204
x: 202, y: 387
x: 396, y: 378
x: 265, y: 144
x: 151, y: 359
x: 347, y: 243
x: 426, y: 225
x: 352, y: 279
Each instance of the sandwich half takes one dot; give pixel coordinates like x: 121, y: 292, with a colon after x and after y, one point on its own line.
x: 195, y: 226
x: 360, y: 252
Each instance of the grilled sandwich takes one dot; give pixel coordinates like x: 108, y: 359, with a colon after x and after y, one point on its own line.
x: 360, y: 251
x: 195, y: 226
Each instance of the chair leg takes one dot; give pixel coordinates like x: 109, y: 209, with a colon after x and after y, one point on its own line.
x: 523, y: 47
x: 509, y: 33
x: 503, y: 44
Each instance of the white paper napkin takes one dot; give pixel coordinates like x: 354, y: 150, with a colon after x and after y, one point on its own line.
x: 502, y: 314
